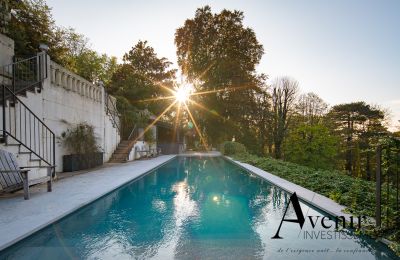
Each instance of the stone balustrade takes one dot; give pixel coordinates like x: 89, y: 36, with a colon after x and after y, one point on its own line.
x: 62, y: 77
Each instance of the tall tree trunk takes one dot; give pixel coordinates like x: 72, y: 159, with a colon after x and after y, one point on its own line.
x: 278, y: 150
x: 368, y: 167
x: 349, y: 152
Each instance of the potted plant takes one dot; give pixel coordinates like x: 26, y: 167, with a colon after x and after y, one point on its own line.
x: 81, y: 143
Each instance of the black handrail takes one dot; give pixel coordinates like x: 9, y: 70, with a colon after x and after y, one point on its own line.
x: 28, y: 130
x: 133, y: 133
x: 111, y: 109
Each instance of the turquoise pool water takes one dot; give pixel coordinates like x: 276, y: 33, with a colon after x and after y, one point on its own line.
x: 192, y: 208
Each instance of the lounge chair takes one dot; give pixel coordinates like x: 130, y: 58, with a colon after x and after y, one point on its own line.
x: 13, y: 177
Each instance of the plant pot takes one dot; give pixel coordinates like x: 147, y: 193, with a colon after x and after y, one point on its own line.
x: 76, y: 162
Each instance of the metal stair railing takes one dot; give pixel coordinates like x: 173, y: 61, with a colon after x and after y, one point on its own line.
x: 111, y: 110
x: 24, y: 127
x: 24, y: 73
x: 134, y: 133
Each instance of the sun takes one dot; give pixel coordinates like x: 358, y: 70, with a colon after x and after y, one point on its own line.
x: 182, y: 94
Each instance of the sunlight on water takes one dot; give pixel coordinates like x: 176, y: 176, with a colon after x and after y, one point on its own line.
x: 192, y: 208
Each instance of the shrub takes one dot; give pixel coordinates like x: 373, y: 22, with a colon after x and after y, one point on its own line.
x: 149, y: 137
x: 80, y: 139
x: 231, y: 148
x: 358, y: 195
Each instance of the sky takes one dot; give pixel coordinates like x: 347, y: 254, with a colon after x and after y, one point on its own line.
x: 342, y: 50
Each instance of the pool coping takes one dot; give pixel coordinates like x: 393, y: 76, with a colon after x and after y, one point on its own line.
x: 310, y: 197
x: 16, y: 226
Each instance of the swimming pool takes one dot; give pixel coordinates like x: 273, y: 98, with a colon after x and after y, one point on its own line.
x: 192, y: 208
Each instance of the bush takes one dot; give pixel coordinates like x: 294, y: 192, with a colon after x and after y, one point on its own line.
x: 80, y: 139
x: 358, y: 195
x: 231, y: 148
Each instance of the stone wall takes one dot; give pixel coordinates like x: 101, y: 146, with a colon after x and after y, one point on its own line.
x: 6, y: 50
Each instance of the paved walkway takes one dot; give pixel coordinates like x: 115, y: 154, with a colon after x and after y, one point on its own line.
x: 201, y: 154
x: 313, y: 198
x: 19, y: 218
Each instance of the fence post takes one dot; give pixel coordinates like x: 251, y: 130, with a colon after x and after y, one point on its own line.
x: 378, y: 196
x: 4, y: 114
x: 54, y: 156
x: 14, y: 74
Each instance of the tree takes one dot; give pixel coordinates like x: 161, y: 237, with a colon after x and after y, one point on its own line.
x: 4, y: 15
x: 284, y: 91
x: 359, y: 125
x: 144, y: 61
x: 219, y: 54
x: 312, y: 145
x: 311, y: 108
x: 31, y: 24
x: 141, y: 77
x: 94, y: 67
x: 261, y: 119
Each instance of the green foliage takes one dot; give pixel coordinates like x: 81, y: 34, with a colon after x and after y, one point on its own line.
x: 4, y: 15
x: 313, y: 146
x: 149, y: 137
x: 359, y: 126
x: 218, y: 53
x: 93, y: 66
x: 357, y: 194
x: 143, y: 60
x: 32, y: 24
x: 131, y: 116
x: 80, y: 140
x: 232, y: 148
x: 143, y: 76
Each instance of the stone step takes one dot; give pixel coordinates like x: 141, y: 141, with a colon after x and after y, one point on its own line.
x: 119, y: 156
x: 124, y: 151
x: 123, y: 145
x: 117, y: 160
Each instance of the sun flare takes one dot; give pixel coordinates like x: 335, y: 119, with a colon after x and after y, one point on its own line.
x: 182, y: 94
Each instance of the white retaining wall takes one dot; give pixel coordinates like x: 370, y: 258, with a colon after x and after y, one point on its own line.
x: 6, y: 50
x: 66, y: 100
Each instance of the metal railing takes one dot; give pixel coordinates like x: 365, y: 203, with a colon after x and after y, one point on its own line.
x: 25, y: 128
x: 24, y: 73
x: 134, y: 133
x: 111, y: 110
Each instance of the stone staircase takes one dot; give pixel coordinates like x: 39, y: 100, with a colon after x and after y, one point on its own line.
x: 21, y: 131
x: 121, y: 154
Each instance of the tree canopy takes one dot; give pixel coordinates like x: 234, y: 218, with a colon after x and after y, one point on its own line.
x: 219, y: 54
x: 141, y: 78
x: 32, y: 24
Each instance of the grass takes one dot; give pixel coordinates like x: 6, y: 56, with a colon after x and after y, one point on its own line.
x: 358, y: 195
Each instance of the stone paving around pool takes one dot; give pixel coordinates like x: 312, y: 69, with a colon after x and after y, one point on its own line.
x: 19, y: 218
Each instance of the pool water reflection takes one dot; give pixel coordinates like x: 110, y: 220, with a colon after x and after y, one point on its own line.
x: 191, y: 208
